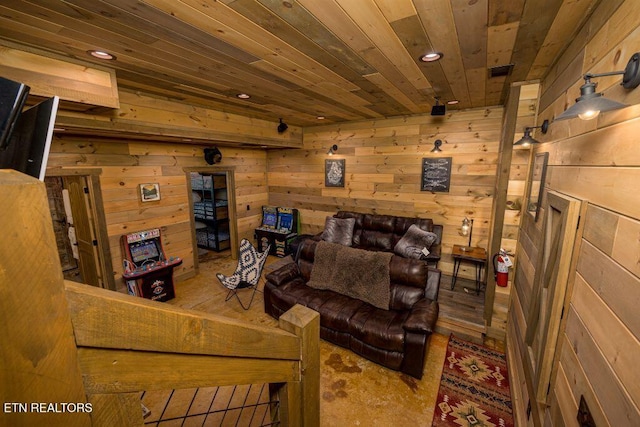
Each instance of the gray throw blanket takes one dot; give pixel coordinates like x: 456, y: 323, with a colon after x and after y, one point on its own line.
x: 356, y: 273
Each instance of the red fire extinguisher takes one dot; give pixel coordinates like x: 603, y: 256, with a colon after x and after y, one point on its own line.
x: 501, y: 264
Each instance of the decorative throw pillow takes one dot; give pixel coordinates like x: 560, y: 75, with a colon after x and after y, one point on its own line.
x: 413, y: 241
x: 339, y: 230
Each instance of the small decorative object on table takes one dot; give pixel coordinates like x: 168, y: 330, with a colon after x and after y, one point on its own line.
x: 467, y: 230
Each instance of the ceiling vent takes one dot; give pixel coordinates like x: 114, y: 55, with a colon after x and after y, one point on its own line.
x: 500, y: 70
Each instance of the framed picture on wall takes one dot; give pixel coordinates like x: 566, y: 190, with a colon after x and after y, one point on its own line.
x: 334, y: 172
x: 436, y: 174
x: 150, y: 192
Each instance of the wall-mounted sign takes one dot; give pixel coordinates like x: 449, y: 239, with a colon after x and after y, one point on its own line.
x: 436, y: 174
x: 334, y: 173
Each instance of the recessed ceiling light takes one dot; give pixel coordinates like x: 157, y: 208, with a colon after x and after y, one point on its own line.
x: 430, y: 57
x: 243, y: 96
x: 100, y: 54
x: 320, y: 117
x: 453, y: 102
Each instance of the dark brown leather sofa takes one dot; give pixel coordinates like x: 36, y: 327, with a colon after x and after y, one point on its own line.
x: 396, y: 338
x: 382, y: 232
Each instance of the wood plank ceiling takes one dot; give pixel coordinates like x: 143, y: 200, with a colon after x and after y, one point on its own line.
x: 300, y: 59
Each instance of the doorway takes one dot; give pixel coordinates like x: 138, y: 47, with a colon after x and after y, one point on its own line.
x: 80, y: 227
x: 213, y: 214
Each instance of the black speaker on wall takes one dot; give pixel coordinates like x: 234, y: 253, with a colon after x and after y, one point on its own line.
x: 212, y: 155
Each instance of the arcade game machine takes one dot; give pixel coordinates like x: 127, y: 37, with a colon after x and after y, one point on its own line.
x: 147, y: 271
x: 279, y: 227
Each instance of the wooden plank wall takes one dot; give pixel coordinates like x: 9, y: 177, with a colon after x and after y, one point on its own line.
x: 126, y: 164
x: 383, y: 171
x: 598, y: 161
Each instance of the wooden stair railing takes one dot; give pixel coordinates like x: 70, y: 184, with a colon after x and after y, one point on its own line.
x: 64, y: 343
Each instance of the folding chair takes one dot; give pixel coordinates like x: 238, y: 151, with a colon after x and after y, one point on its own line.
x: 247, y: 274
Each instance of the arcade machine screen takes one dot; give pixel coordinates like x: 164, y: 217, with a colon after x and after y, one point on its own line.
x: 269, y: 217
x: 285, y: 220
x: 144, y: 251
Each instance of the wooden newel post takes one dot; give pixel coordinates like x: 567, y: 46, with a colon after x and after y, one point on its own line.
x: 300, y: 401
x: 40, y: 378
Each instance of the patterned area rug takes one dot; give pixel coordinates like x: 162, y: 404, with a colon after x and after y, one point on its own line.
x: 474, y: 388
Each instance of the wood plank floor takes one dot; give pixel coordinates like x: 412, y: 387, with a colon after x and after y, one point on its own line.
x: 354, y: 391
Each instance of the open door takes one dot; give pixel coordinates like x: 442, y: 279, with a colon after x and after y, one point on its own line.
x: 76, y: 207
x: 230, y: 217
x: 560, y: 230
x: 84, y: 233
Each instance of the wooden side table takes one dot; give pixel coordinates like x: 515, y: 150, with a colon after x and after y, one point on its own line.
x: 474, y: 255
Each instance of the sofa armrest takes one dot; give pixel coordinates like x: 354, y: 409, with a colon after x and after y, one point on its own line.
x: 434, y: 252
x: 284, y: 274
x: 423, y: 317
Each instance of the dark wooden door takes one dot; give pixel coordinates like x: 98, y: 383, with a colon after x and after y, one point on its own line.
x: 85, y: 236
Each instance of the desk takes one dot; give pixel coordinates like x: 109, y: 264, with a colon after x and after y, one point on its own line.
x: 476, y: 256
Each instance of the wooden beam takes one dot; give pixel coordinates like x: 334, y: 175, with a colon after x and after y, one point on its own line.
x: 48, y: 75
x: 38, y: 352
x: 502, y: 184
x: 117, y: 371
x: 147, y: 117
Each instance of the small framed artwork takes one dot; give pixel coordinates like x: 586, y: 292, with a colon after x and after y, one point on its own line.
x: 436, y: 174
x: 334, y: 173
x: 150, y: 192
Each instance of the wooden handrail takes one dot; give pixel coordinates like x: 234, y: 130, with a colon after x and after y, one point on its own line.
x: 107, y: 319
x: 68, y: 342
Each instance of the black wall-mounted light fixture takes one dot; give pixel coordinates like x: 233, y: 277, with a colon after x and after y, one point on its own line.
x: 282, y: 127
x: 527, y: 140
x: 438, y: 110
x: 436, y: 146
x: 590, y: 103
x: 332, y: 150
x: 212, y: 155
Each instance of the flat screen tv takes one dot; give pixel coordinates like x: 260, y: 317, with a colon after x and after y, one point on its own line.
x: 12, y: 98
x: 27, y: 150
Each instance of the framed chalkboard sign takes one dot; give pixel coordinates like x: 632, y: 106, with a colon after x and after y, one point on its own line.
x: 436, y: 174
x: 334, y: 173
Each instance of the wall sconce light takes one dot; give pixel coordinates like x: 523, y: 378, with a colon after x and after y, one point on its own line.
x: 467, y: 229
x: 436, y: 146
x: 590, y: 103
x: 438, y: 110
x: 212, y: 155
x: 527, y: 140
x: 332, y: 150
x: 282, y: 127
